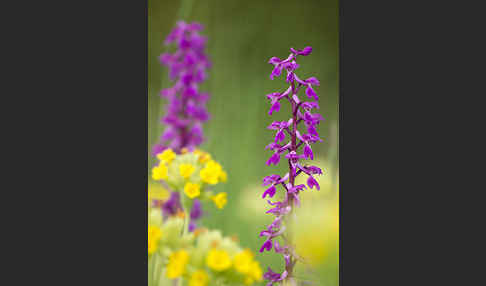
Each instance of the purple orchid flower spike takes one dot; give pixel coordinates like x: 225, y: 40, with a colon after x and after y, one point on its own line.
x: 292, y: 151
x: 186, y: 110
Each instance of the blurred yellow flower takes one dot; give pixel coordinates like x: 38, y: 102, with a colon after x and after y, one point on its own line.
x: 223, y: 176
x: 199, y: 278
x: 154, y: 235
x: 159, y: 172
x: 255, y: 273
x: 177, y: 264
x: 211, y: 172
x: 218, y: 260
x: 186, y: 170
x: 220, y: 200
x: 243, y: 261
x: 321, y: 222
x: 203, y: 157
x: 192, y: 190
x: 167, y: 156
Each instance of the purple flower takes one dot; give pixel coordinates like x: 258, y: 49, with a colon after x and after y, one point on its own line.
x: 270, y: 179
x: 267, y: 245
x: 270, y: 192
x: 275, y: 107
x: 304, y: 52
x: 185, y: 110
x: 308, y: 152
x: 280, y: 136
x: 173, y: 205
x: 300, y: 112
x: 311, y: 182
x: 196, y: 211
x: 274, y: 159
x: 192, y: 226
x: 274, y: 277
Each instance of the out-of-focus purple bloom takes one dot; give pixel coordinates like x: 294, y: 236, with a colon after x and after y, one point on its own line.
x: 192, y: 226
x: 186, y: 108
x: 300, y: 113
x: 196, y: 211
x: 173, y: 205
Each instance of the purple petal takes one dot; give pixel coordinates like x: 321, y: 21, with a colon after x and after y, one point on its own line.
x: 311, y: 93
x: 275, y: 159
x: 276, y: 72
x: 270, y: 192
x: 267, y: 245
x: 311, y: 182
x: 308, y: 152
x: 313, y: 81
x: 192, y: 226
x: 280, y: 136
x: 196, y: 211
x: 274, y: 60
x: 314, y: 170
x: 306, y: 51
x: 270, y: 179
x: 275, y: 107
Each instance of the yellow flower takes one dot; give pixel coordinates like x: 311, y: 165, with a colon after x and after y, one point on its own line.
x: 211, y: 172
x: 218, y: 260
x: 256, y: 272
x: 223, y: 176
x: 184, y: 150
x: 192, y: 190
x: 203, y: 157
x: 199, y: 278
x: 167, y: 156
x: 220, y: 200
x: 159, y: 172
x: 243, y: 261
x: 177, y: 264
x: 186, y: 170
x: 154, y: 235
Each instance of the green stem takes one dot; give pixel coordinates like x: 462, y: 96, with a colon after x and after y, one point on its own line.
x: 186, y: 205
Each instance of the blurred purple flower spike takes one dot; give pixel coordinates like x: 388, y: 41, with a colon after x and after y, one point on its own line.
x: 186, y: 110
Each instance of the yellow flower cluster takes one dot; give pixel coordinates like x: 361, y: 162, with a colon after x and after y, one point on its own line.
x: 218, y: 260
x: 177, y: 264
x: 154, y: 235
x: 245, y: 264
x: 220, y: 200
x: 199, y: 278
x: 191, y: 173
x: 213, y: 173
x: 201, y: 257
x: 160, y: 172
x: 166, y: 156
x: 186, y: 170
x: 202, y: 156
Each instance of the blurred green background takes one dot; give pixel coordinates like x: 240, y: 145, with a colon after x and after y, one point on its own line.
x: 242, y: 36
